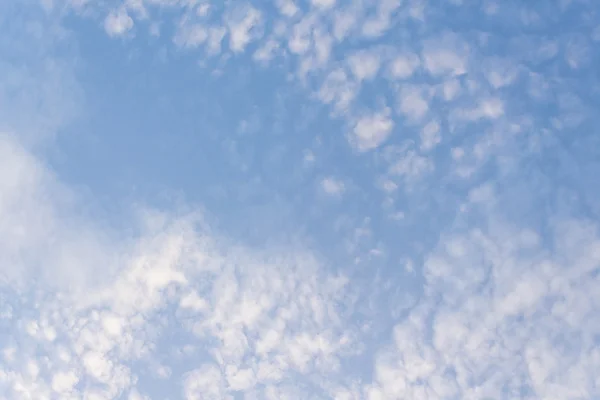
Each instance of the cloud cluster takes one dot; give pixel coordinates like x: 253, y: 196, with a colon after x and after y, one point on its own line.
x: 251, y: 319
x: 435, y: 84
x: 503, y: 315
x: 118, y: 23
x: 501, y: 300
x: 503, y: 311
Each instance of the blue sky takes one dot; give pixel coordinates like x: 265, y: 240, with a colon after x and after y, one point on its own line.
x: 320, y: 199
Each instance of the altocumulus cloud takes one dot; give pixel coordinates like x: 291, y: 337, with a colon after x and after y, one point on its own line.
x: 472, y: 156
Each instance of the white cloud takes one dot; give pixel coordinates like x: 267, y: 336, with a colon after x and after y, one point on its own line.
x: 430, y: 135
x: 118, y: 22
x: 500, y: 72
x: 344, y: 21
x: 506, y: 309
x: 577, y: 53
x: 317, y: 54
x: 323, y: 4
x: 243, y: 25
x: 403, y: 66
x: 203, y: 9
x: 450, y: 89
x: 388, y: 185
x: 240, y: 380
x: 205, y: 383
x: 266, y: 52
x: 287, y: 7
x: 338, y: 90
x: 413, y: 102
x: 191, y: 35
x: 300, y: 38
x: 26, y: 220
x: 498, y: 304
x: 309, y: 40
x: 410, y: 165
x: 376, y: 26
x: 266, y: 317
x: 134, y: 394
x: 64, y: 382
x: 491, y: 108
x: 364, y: 64
x: 371, y: 131
x: 137, y: 6
x: 215, y: 40
x: 445, y: 56
x: 309, y: 157
x: 333, y: 186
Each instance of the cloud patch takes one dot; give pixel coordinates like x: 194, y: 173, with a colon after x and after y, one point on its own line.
x: 267, y: 317
x: 118, y: 22
x: 370, y: 131
x: 333, y: 186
